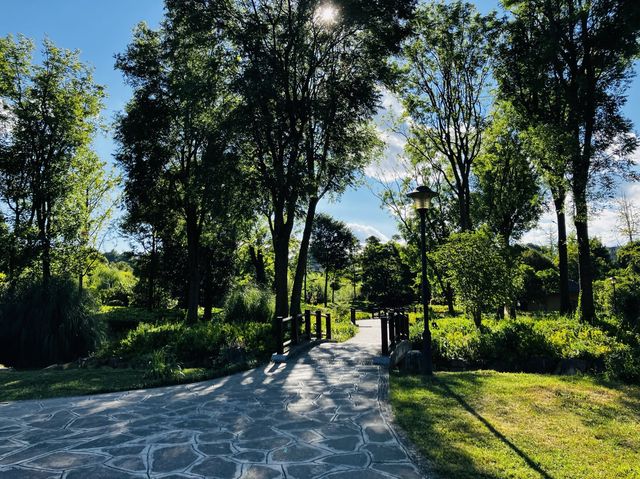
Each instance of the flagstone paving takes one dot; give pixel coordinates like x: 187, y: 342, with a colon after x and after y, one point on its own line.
x: 318, y: 416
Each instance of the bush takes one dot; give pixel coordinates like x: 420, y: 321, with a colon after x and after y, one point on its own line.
x: 625, y: 302
x: 476, y: 266
x: 249, y: 304
x: 624, y: 364
x: 510, y: 344
x: 199, y: 344
x: 41, y: 326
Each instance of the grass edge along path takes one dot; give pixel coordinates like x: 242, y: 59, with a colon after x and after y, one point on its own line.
x: 486, y: 424
x: 43, y: 383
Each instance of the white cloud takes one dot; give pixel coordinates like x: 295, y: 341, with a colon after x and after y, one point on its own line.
x: 391, y: 165
x: 391, y: 103
x: 389, y: 119
x: 363, y: 232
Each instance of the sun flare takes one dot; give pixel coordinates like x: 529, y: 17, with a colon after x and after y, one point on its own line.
x: 326, y: 14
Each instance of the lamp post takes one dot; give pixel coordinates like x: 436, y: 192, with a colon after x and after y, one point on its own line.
x: 422, y: 197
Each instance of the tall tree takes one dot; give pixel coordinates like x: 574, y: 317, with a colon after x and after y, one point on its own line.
x: 309, y: 73
x: 447, y: 77
x: 509, y: 197
x: 86, y: 212
x: 387, y: 281
x: 331, y: 246
x: 581, y: 52
x: 628, y: 218
x: 176, y: 136
x: 54, y: 109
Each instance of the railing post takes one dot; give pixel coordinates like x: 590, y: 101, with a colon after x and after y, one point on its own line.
x: 392, y: 330
x: 294, y: 329
x: 406, y: 326
x: 279, y: 337
x: 307, y: 324
x: 353, y: 316
x: 329, y: 326
x: 318, y: 325
x: 385, y: 336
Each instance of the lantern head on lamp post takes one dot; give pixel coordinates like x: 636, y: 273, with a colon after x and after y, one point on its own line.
x: 422, y: 197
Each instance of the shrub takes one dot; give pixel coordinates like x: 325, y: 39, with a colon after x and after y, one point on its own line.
x: 511, y: 343
x: 477, y: 268
x: 625, y: 302
x: 197, y: 345
x: 624, y: 364
x: 249, y: 304
x: 41, y: 326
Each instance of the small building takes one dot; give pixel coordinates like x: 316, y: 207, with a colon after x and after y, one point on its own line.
x: 551, y: 302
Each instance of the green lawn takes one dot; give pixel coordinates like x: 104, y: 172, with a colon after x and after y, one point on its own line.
x: 39, y: 384
x: 499, y: 425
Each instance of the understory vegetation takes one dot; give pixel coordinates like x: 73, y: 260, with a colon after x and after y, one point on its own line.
x: 534, y: 344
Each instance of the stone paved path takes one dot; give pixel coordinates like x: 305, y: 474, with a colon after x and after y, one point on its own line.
x: 319, y: 416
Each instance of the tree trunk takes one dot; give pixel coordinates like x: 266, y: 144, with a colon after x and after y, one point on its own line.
x: 207, y: 295
x: 281, y: 236
x: 587, y: 309
x: 448, y: 294
x: 563, y: 257
x: 301, y: 266
x: 153, y: 271
x: 46, y: 262
x: 258, y: 263
x: 80, y: 282
x: 193, y: 265
x: 477, y: 318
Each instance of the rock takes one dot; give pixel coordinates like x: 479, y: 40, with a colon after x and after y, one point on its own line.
x: 52, y: 367
x: 458, y: 365
x: 569, y: 367
x: 413, y: 362
x: 398, y: 354
x: 538, y: 364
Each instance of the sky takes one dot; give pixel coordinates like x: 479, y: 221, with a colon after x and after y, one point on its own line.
x: 100, y: 29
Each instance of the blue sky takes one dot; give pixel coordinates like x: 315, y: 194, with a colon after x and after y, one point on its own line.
x: 100, y: 29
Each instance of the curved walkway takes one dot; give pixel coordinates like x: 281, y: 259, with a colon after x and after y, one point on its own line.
x: 317, y: 416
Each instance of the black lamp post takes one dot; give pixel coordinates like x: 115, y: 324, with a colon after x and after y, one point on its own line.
x: 422, y: 197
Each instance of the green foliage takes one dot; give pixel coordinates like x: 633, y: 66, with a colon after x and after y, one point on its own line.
x: 621, y: 299
x: 249, y: 304
x: 628, y: 257
x: 54, y: 109
x: 509, y: 195
x: 624, y: 363
x: 475, y: 265
x: 182, y: 344
x: 49, y: 324
x: 161, y: 366
x: 387, y: 281
x: 446, y: 64
x: 112, y: 283
x: 510, y: 343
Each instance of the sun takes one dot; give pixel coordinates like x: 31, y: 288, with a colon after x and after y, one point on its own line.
x: 326, y: 14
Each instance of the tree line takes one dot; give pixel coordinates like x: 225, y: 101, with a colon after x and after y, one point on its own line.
x: 245, y: 114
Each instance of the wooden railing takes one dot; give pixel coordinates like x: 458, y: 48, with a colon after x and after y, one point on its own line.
x: 394, y: 325
x: 288, y: 330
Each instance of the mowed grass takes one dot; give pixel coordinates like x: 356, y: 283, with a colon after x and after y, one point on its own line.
x: 40, y: 384
x: 486, y: 424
